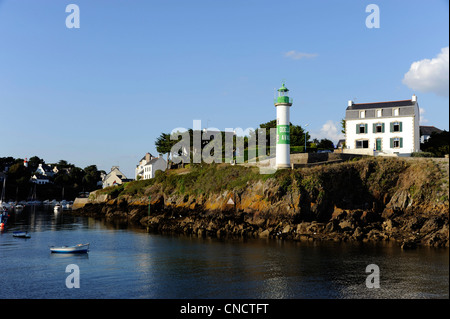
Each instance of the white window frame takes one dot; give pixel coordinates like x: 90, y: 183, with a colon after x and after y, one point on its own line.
x: 396, y: 112
x: 362, y: 114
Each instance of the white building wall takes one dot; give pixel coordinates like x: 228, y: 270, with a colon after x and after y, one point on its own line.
x: 110, y: 179
x: 150, y: 169
x: 417, y: 128
x: 410, y: 135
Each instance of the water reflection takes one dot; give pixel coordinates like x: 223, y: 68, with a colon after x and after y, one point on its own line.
x: 129, y: 263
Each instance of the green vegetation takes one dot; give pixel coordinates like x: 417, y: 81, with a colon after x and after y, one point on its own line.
x: 199, y: 179
x: 422, y: 154
x: 164, y: 143
x: 66, y: 180
x: 346, y: 185
x: 437, y: 144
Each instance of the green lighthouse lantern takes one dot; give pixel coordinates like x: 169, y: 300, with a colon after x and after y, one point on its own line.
x: 283, y: 95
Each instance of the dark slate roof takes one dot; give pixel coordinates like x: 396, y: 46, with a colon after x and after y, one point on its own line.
x: 145, y: 155
x: 380, y: 105
x: 153, y: 161
x: 427, y: 130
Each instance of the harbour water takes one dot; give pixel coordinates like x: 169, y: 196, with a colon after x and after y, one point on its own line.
x: 128, y: 263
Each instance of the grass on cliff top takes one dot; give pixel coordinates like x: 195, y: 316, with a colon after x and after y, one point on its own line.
x: 198, y: 179
x: 376, y: 176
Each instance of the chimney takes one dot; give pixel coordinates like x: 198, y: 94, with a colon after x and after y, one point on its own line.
x: 414, y: 98
x: 350, y: 103
x: 147, y: 157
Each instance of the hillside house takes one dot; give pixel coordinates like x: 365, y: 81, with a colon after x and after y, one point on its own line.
x: 40, y: 179
x: 45, y: 170
x: 114, y: 177
x: 148, y: 165
x: 382, y: 128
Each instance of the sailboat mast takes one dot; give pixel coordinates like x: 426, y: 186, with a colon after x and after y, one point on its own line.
x: 2, y: 198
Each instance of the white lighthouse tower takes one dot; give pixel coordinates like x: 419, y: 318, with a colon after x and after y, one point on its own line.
x: 283, y: 102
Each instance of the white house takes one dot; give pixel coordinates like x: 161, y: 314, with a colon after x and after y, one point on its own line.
x: 148, y: 166
x: 40, y: 179
x: 426, y: 131
x: 45, y: 170
x: 382, y: 128
x: 115, y: 177
x: 154, y: 165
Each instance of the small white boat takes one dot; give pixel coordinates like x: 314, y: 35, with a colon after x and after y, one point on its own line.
x: 57, y: 208
x: 21, y: 234
x: 80, y: 248
x: 18, y: 208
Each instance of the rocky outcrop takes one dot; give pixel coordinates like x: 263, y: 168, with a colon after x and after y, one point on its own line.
x: 368, y: 200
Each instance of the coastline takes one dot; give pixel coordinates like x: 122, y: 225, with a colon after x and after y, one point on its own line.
x: 368, y: 200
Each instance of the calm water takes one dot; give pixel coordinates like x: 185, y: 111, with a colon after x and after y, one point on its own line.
x: 129, y: 263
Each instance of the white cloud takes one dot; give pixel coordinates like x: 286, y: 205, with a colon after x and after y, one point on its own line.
x: 422, y: 112
x: 330, y: 130
x: 430, y: 75
x: 299, y: 55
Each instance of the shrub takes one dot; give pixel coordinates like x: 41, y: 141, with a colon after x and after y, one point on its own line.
x: 422, y: 154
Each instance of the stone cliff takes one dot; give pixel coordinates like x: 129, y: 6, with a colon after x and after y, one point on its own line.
x: 372, y: 199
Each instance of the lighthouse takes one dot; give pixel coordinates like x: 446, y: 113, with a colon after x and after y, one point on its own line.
x: 283, y: 102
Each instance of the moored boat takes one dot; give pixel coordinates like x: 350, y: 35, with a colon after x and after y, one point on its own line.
x: 80, y: 248
x: 21, y: 234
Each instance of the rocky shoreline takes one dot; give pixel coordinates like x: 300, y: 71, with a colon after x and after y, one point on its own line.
x: 338, y: 204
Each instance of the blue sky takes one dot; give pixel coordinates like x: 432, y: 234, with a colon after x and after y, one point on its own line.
x: 103, y: 93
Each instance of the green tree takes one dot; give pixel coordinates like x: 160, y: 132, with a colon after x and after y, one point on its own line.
x: 91, y: 177
x: 6, y: 162
x: 33, y: 163
x: 438, y: 144
x: 343, y: 126
x: 325, y: 144
x: 164, y: 145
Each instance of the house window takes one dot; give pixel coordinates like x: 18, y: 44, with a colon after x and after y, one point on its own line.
x: 362, y: 144
x: 378, y: 127
x: 396, y: 127
x: 397, y: 142
x: 379, y: 113
x: 362, y: 114
x: 361, y: 128
x: 396, y: 112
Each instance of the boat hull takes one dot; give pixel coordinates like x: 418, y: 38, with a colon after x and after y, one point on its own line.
x: 71, y: 249
x: 21, y: 235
